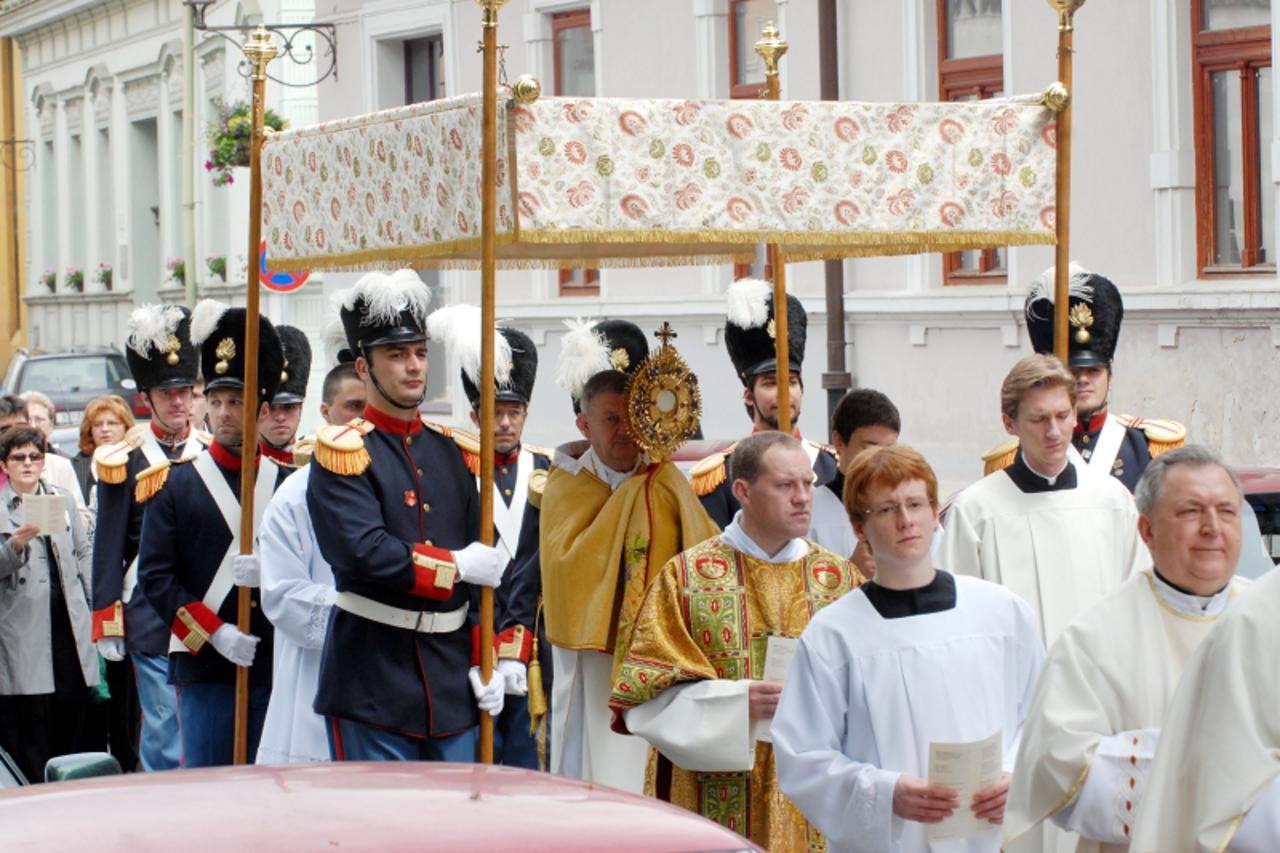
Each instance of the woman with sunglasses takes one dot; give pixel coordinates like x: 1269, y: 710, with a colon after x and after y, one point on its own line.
x: 47, y: 658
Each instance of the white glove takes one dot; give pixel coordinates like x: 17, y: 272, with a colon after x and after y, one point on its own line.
x: 247, y: 569
x: 234, y: 646
x: 488, y: 696
x: 111, y: 648
x: 480, y: 564
x: 516, y: 675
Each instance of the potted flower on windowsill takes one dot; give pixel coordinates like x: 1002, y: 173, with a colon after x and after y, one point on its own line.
x: 49, y: 278
x: 229, y: 138
x: 177, y: 270
x: 75, y: 279
x: 218, y: 266
x: 103, y: 275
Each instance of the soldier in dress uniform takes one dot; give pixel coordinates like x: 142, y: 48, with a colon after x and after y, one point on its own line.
x: 750, y: 336
x: 519, y: 473
x: 397, y: 517
x: 131, y: 472
x: 279, y: 429
x: 1120, y: 444
x: 190, y: 559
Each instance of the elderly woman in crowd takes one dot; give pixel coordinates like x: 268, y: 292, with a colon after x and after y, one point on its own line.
x: 47, y: 660
x: 106, y: 420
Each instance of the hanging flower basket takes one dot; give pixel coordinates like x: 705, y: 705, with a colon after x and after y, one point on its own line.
x: 49, y: 278
x: 218, y: 266
x: 229, y: 137
x: 178, y: 270
x: 75, y: 279
x: 104, y: 275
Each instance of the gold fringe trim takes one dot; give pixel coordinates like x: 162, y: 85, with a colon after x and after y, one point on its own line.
x: 150, y: 482
x: 660, y: 247
x: 472, y: 461
x: 345, y: 463
x: 1158, y: 448
x: 113, y: 474
x: 999, y: 458
x: 707, y: 475
x: 197, y: 636
x: 112, y: 462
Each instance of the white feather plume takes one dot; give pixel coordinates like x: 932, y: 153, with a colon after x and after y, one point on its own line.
x: 204, y: 319
x: 1044, y: 287
x: 150, y: 327
x: 748, y: 300
x: 583, y: 354
x: 385, y: 296
x: 458, y: 328
x: 333, y: 335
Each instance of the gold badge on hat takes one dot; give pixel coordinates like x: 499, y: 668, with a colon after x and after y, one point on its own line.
x: 172, y: 346
x: 225, y: 352
x: 619, y: 359
x: 284, y: 374
x: 1081, y: 316
x: 772, y: 329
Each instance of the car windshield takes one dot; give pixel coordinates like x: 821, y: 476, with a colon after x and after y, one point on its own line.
x: 71, y: 374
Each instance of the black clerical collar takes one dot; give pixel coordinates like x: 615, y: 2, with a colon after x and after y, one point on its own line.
x: 934, y: 597
x: 1029, y: 481
x: 1173, y: 586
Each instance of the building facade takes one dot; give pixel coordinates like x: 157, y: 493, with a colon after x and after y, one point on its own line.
x: 1172, y: 191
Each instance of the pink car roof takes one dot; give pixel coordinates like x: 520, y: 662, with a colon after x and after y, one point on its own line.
x: 353, y: 806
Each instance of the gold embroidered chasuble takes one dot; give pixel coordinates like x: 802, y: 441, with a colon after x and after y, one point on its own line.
x: 600, y: 548
x: 709, y: 615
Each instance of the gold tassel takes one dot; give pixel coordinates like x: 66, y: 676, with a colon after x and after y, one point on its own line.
x: 537, y: 696
x: 151, y: 481
x: 347, y: 463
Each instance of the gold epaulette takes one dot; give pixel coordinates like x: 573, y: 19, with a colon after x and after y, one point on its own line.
x: 205, y: 438
x: 150, y: 481
x: 1162, y: 435
x: 824, y: 447
x: 708, y: 473
x: 340, y: 448
x: 539, y: 451
x: 999, y: 457
x: 112, y: 461
x: 537, y: 482
x: 303, y: 449
x: 469, y: 445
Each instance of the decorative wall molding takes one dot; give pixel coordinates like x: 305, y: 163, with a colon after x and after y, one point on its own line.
x: 142, y: 96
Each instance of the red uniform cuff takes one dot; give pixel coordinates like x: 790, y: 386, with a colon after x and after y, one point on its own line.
x: 194, y: 625
x: 434, y: 572
x: 515, y: 643
x: 109, y: 621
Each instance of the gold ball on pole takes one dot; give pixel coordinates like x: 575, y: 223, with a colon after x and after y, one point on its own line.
x: 1056, y: 97
x: 771, y: 48
x: 526, y: 89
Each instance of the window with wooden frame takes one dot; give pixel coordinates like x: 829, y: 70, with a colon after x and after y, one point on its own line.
x: 971, y: 68
x: 1235, y: 198
x: 574, y: 61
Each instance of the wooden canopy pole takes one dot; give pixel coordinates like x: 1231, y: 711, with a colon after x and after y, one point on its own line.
x: 771, y: 48
x: 259, y: 50
x: 1066, y: 10
x: 488, y: 265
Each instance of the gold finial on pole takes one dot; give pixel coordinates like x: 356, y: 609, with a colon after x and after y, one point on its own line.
x: 771, y: 48
x: 526, y: 89
x: 1056, y: 97
x: 1066, y: 10
x: 490, y: 9
x: 260, y: 50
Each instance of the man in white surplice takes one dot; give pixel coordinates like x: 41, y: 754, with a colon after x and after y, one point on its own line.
x: 297, y: 595
x: 914, y: 657
x: 1098, y: 710
x: 1215, y: 783
x: 1048, y: 527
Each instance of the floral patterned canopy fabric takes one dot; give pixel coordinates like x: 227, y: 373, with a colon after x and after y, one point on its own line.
x: 615, y: 182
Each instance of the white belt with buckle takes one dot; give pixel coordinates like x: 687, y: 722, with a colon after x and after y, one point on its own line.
x: 408, y: 620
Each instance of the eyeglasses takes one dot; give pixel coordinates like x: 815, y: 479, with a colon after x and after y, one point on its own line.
x: 20, y: 458
x: 914, y: 507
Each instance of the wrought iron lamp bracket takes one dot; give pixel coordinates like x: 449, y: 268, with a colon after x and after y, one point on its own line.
x: 299, y: 53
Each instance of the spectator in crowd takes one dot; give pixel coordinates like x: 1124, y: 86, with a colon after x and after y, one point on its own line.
x: 47, y: 660
x: 40, y: 412
x: 106, y: 420
x: 57, y: 469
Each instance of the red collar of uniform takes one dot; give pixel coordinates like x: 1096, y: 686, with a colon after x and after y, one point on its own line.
x: 226, y: 458
x: 169, y: 438
x: 387, y: 423
x: 280, y: 454
x: 1092, y: 424
x: 507, y: 458
x: 795, y: 432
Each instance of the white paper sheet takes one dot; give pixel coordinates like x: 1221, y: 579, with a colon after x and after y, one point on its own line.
x: 778, y: 652
x: 46, y: 512
x: 968, y: 768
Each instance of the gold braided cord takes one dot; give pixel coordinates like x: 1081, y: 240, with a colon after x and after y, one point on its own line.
x: 657, y: 247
